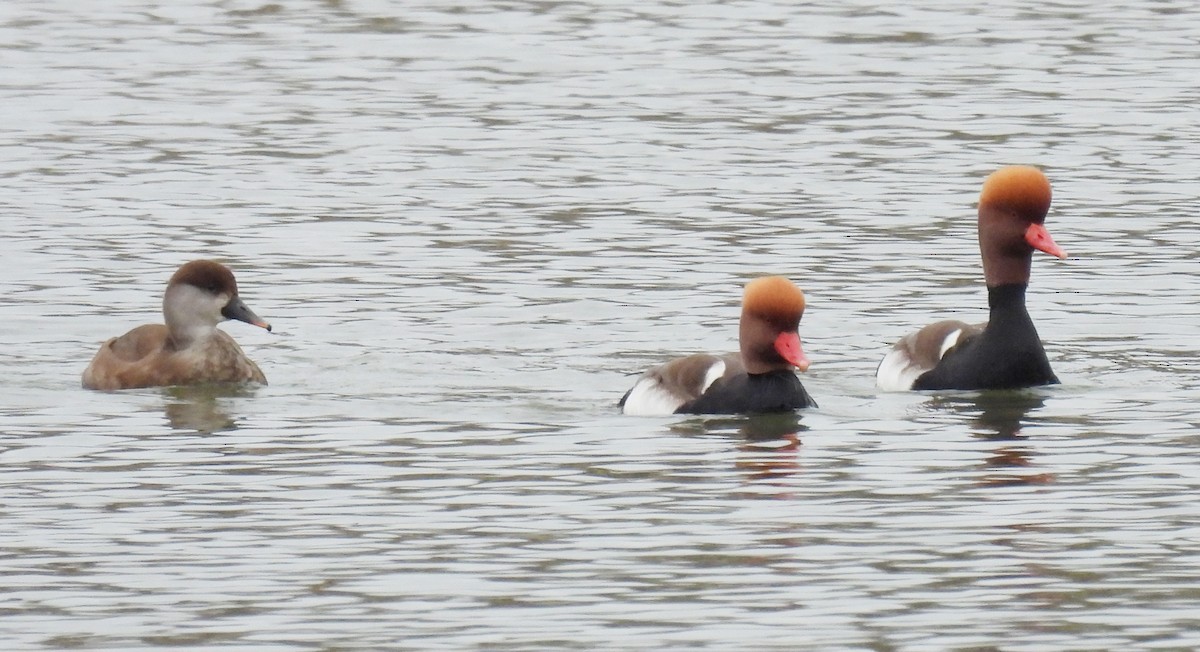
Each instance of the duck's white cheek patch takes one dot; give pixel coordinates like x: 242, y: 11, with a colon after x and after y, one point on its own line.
x: 897, y: 372
x: 950, y: 342
x: 649, y: 398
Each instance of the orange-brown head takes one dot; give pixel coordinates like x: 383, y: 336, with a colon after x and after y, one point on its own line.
x: 771, y: 310
x: 1012, y: 215
x: 1019, y: 189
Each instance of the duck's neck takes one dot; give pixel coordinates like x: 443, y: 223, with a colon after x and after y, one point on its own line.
x: 757, y: 342
x: 999, y: 271
x: 1007, y: 305
x: 184, y: 337
x: 1007, y: 257
x: 188, y: 316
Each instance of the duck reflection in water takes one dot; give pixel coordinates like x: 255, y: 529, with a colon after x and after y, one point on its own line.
x: 1002, y: 414
x: 768, y: 444
x: 203, y: 408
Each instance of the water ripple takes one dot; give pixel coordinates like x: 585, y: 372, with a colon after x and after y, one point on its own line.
x: 470, y: 225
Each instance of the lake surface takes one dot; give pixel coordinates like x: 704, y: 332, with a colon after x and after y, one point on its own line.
x: 472, y: 223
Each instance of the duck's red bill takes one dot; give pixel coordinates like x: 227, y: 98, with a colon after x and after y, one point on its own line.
x: 1039, y: 238
x: 788, y: 346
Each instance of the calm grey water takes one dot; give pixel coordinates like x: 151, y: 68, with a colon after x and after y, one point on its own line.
x: 471, y: 223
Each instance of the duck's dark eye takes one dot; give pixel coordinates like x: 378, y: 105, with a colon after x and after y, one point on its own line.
x: 212, y: 287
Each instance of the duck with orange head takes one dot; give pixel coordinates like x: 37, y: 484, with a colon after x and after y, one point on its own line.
x: 760, y: 378
x: 1005, y: 352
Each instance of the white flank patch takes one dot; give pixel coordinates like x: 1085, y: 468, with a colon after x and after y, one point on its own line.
x: 649, y: 398
x: 949, y: 342
x: 897, y: 373
x: 714, y: 372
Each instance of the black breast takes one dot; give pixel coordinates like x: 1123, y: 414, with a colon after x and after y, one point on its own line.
x: 776, y: 391
x: 1006, y: 355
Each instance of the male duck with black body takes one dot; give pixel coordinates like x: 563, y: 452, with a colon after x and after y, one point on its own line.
x: 761, y: 378
x: 1005, y: 352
